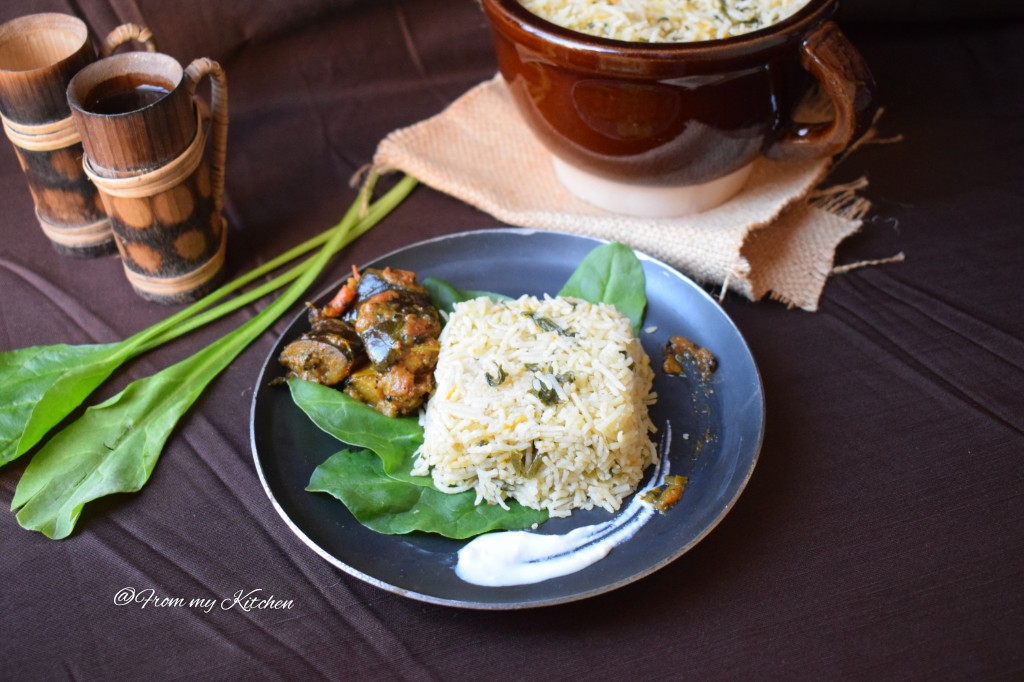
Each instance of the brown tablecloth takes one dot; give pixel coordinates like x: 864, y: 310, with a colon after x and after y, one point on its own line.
x: 881, y: 535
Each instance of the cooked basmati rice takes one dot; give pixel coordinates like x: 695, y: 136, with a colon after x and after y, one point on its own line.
x: 544, y: 401
x: 664, y: 21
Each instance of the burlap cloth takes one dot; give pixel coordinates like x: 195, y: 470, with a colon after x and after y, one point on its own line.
x: 776, y: 238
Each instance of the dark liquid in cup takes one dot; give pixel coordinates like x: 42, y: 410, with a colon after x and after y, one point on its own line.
x: 123, y: 94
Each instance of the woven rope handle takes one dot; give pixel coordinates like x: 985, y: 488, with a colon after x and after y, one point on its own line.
x: 195, y: 72
x: 126, y: 33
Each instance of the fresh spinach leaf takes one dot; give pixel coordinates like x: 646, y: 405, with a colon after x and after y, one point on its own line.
x: 112, y: 447
x: 393, y: 439
x: 391, y: 506
x: 43, y: 384
x: 611, y: 273
x: 445, y: 295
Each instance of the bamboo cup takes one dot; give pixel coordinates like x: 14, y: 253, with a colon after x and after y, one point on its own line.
x: 145, y: 132
x: 39, y: 54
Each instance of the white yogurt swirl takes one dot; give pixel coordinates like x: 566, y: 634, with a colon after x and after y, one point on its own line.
x: 521, y: 558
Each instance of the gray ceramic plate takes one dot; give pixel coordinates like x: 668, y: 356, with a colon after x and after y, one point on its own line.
x: 724, y: 422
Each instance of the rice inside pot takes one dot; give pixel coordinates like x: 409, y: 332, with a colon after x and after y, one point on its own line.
x: 544, y: 401
x: 664, y: 21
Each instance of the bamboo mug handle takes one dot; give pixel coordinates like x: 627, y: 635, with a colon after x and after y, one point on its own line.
x: 845, y: 78
x: 196, y: 71
x: 126, y: 33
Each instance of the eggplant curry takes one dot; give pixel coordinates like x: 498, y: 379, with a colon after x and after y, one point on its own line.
x: 377, y: 340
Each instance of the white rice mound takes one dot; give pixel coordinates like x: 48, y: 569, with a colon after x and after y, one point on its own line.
x: 664, y: 21
x: 565, y: 427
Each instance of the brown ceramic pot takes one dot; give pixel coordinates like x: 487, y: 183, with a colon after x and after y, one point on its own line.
x: 678, y: 114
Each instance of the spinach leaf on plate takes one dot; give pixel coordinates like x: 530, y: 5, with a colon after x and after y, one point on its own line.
x: 611, y: 273
x: 393, y: 439
x: 391, y: 506
x: 445, y: 295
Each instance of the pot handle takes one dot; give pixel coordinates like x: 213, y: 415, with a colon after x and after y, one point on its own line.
x: 845, y: 78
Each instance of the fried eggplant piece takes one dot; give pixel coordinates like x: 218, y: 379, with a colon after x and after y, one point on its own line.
x: 326, y: 354
x: 373, y: 281
x: 400, y: 389
x: 392, y: 322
